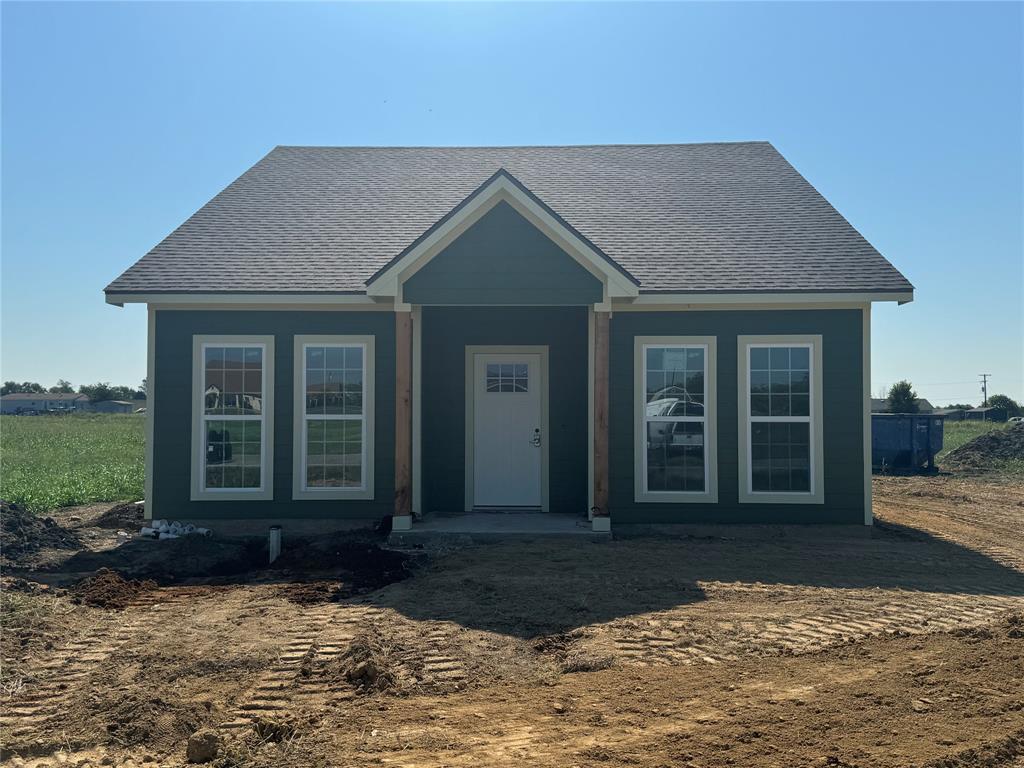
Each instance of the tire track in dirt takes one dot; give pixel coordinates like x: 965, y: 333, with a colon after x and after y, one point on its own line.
x: 71, y: 664
x: 966, y: 534
x: 670, y: 638
x: 273, y: 690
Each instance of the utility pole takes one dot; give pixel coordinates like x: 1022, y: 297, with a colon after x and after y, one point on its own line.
x: 984, y: 388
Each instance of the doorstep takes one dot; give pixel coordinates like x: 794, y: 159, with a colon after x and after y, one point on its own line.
x: 496, y: 526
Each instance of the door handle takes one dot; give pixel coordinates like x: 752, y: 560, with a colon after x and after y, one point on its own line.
x: 535, y: 440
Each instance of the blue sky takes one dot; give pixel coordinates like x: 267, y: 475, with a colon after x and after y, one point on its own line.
x: 119, y: 120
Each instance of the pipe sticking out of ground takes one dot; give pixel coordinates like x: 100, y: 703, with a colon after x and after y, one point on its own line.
x: 274, y: 542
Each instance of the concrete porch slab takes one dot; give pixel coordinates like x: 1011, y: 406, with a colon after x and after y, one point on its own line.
x: 495, y: 526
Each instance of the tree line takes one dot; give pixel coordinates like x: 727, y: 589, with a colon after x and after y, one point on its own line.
x: 98, y: 392
x: 903, y: 399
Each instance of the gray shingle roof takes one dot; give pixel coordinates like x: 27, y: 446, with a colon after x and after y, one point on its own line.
x: 693, y: 218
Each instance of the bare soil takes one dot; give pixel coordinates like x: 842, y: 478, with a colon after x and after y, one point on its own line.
x: 903, y: 646
x: 24, y: 534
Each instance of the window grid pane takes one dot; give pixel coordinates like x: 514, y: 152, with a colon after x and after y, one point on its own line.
x: 674, y: 379
x: 507, y: 377
x: 780, y: 427
x: 780, y: 381
x: 334, y: 416
x: 233, y: 391
x: 232, y: 380
x: 674, y: 398
x: 334, y: 380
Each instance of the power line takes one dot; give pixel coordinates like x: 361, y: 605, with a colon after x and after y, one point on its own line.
x: 984, y: 387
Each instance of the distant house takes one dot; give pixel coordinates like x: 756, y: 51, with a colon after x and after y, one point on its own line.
x: 951, y: 414
x: 118, y: 406
x: 881, y: 405
x: 986, y: 414
x: 22, y: 402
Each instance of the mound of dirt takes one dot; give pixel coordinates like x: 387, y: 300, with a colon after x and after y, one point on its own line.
x: 23, y: 534
x: 137, y: 717
x: 992, y: 447
x: 371, y: 664
x: 127, y: 517
x: 109, y: 589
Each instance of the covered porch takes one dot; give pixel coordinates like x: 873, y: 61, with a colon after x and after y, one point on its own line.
x: 502, y: 341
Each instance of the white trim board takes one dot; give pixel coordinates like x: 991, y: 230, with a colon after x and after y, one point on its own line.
x: 150, y: 505
x: 230, y: 300
x: 869, y: 514
x: 417, y: 412
x: 266, y: 490
x: 647, y: 302
x: 640, y: 492
x: 590, y: 412
x: 470, y: 439
x: 654, y: 302
x: 299, y: 447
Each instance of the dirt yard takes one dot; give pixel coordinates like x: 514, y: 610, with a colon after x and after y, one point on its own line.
x: 904, y: 647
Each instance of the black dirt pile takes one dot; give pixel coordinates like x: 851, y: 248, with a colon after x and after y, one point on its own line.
x: 128, y: 517
x: 992, y: 448
x: 356, y: 566
x: 23, y: 534
x: 109, y: 589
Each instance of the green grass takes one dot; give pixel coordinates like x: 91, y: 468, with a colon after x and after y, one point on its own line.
x: 58, y: 461
x: 956, y: 433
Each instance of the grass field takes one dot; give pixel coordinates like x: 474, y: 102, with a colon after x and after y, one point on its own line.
x: 58, y: 461
x: 956, y: 433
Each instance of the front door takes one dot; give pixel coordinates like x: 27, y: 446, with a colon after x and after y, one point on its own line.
x: 507, y: 436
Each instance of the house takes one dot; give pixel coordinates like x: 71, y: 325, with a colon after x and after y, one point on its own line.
x: 119, y: 406
x: 881, y: 405
x: 951, y: 414
x: 634, y: 334
x: 25, y: 402
x: 986, y: 414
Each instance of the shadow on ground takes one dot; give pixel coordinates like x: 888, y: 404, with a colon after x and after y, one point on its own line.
x: 527, y: 588
x: 549, y: 585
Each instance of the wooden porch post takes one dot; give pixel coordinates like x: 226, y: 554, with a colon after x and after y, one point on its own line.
x: 601, y: 521
x: 402, y: 520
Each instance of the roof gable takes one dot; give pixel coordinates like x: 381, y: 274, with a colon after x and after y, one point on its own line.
x: 501, y: 188
x: 503, y: 259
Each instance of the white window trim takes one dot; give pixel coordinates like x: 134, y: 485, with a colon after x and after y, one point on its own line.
x: 747, y: 495
x: 299, y: 488
x: 710, y: 493
x: 266, y: 489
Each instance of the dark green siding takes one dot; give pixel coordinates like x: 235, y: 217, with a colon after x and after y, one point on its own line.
x: 173, y: 410
x: 446, y: 334
x: 502, y: 259
x: 843, y: 414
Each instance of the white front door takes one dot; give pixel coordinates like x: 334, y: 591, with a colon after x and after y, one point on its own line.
x: 507, y: 436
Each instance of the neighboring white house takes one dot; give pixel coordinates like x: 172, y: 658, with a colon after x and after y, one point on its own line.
x: 119, y: 406
x: 20, y: 402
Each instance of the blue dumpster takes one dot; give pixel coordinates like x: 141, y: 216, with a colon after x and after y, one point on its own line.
x: 907, y: 441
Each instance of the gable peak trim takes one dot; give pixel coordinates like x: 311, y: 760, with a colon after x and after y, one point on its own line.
x: 501, y: 186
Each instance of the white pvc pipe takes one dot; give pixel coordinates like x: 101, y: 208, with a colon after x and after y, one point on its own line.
x: 274, y: 542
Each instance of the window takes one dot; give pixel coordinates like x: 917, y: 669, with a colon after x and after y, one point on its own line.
x: 232, y: 419
x: 675, y: 419
x: 508, y: 377
x: 334, y: 412
x: 780, y: 409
